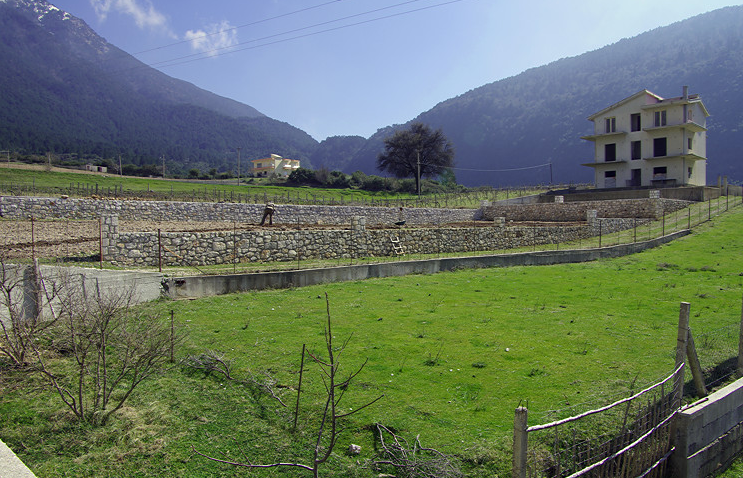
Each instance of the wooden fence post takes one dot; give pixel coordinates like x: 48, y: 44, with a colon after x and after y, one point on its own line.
x: 520, y: 442
x: 681, y: 342
x: 694, y: 365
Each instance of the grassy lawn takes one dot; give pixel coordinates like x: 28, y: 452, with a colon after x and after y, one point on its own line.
x: 453, y: 353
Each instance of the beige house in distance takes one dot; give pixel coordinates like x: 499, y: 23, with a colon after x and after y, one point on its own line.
x: 273, y: 165
x: 646, y: 140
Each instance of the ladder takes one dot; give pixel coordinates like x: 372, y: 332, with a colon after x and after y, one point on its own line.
x: 397, y: 248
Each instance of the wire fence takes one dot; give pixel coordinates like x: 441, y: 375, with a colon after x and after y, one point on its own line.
x: 628, y: 438
x: 289, y: 195
x: 631, y: 437
x: 68, y: 241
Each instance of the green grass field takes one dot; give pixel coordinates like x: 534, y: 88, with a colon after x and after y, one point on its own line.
x: 453, y: 353
x: 74, y: 183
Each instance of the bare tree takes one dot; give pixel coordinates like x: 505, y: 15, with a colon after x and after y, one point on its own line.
x: 113, y: 348
x: 330, y: 419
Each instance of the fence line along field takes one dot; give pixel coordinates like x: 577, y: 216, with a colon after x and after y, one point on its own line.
x: 453, y: 353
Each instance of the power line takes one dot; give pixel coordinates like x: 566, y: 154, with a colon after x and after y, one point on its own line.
x: 206, y: 54
x: 503, y: 170
x: 257, y: 22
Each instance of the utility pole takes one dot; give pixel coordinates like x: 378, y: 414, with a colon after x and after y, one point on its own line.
x: 418, y: 154
x: 163, y: 158
x: 238, y: 165
x: 120, y: 173
x: 550, y: 173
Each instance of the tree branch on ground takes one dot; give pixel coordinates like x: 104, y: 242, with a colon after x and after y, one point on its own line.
x: 413, y: 462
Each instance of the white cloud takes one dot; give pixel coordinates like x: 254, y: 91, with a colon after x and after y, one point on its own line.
x: 142, y: 11
x: 217, y: 37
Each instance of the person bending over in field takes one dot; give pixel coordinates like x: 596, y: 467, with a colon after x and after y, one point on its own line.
x: 268, y: 213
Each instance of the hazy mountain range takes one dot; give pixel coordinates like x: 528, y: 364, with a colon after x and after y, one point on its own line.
x: 65, y: 89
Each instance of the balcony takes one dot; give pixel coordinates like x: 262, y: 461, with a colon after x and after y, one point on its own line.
x: 594, y: 137
x: 688, y: 126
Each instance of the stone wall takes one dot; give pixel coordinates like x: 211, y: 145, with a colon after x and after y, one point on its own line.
x: 144, y: 249
x: 576, y: 211
x: 21, y: 207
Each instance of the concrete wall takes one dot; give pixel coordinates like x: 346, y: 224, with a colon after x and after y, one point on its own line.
x: 709, y: 433
x: 22, y: 207
x: 11, y: 466
x: 145, y: 286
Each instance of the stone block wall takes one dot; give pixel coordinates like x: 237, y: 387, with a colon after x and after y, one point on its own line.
x: 22, y: 207
x: 197, y: 249
x: 576, y: 211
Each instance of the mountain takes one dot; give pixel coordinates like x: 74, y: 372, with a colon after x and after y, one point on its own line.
x: 335, y: 153
x: 65, y: 89
x: 508, y: 131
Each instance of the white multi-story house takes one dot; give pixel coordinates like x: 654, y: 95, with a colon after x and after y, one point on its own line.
x: 646, y: 140
x: 274, y: 165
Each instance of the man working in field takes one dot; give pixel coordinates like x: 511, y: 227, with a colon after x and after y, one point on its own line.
x: 268, y: 213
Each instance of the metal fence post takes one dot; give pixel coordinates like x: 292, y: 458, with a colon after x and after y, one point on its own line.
x: 520, y: 442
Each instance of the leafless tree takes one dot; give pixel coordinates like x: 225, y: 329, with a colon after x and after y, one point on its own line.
x: 113, y: 347
x: 330, y: 419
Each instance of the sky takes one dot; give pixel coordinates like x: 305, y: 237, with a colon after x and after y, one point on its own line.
x: 350, y: 67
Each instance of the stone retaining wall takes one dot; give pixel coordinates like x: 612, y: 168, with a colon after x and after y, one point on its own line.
x: 196, y: 249
x: 576, y: 211
x: 22, y: 207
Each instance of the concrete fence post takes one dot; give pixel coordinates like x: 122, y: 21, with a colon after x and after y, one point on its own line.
x: 32, y: 303
x: 679, y: 459
x: 520, y: 442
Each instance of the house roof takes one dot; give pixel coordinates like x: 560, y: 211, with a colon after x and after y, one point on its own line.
x: 659, y: 102
x: 624, y: 101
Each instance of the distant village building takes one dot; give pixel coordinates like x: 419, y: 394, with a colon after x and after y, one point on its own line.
x: 646, y: 140
x: 96, y: 169
x: 273, y: 165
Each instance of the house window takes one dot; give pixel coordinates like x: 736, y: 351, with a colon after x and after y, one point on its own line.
x: 659, y: 147
x: 689, y: 172
x: 689, y: 143
x: 660, y: 118
x: 688, y: 115
x: 610, y: 179
x: 610, y: 125
x: 610, y: 152
x: 636, y: 149
x: 660, y: 172
x: 635, y: 122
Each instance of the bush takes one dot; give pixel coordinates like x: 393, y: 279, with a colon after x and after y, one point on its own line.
x: 302, y: 176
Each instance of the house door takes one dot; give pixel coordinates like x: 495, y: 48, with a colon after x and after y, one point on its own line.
x: 636, y: 177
